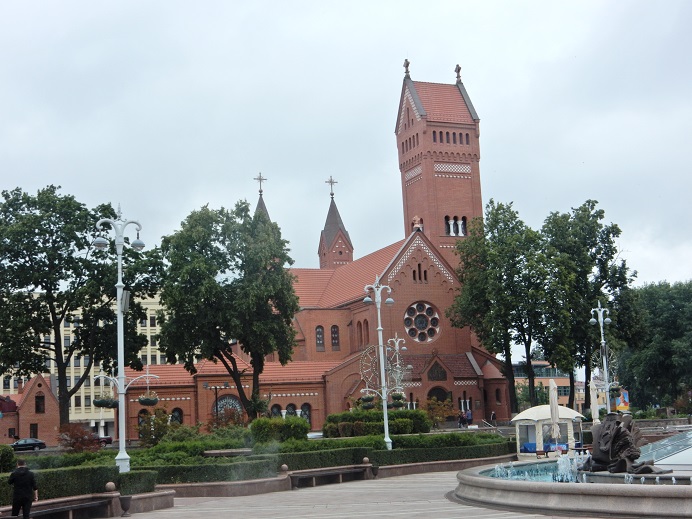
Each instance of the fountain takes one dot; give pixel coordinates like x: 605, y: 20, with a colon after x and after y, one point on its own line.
x: 558, y: 487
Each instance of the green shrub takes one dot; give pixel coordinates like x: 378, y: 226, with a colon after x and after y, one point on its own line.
x: 8, y: 460
x: 401, y: 426
x: 294, y: 427
x: 181, y: 433
x: 331, y: 430
x: 72, y: 481
x: 345, y: 429
x: 235, y: 471
x: 266, y: 430
x: 136, y: 482
x: 420, y: 421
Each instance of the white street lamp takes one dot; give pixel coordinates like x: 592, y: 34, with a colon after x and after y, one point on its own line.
x: 122, y: 460
x: 377, y: 290
x: 600, y: 312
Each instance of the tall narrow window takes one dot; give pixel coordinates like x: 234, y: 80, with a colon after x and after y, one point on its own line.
x: 335, y: 338
x: 463, y: 226
x: 447, y: 137
x: 319, y: 338
x: 366, y: 331
x: 434, y: 136
x: 467, y: 139
x: 455, y: 226
x: 40, y: 403
x: 454, y: 138
x: 448, y: 228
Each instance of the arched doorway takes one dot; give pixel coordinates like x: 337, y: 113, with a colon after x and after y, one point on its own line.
x: 440, y: 393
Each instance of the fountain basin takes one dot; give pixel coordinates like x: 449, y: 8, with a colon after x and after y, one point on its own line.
x: 576, y: 499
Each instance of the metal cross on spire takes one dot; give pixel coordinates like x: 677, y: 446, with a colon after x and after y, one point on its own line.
x: 331, y: 183
x: 260, y: 179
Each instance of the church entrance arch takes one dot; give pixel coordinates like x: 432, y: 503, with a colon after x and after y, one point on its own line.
x: 438, y: 392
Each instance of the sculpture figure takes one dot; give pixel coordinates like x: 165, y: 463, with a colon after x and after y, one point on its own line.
x: 616, y: 443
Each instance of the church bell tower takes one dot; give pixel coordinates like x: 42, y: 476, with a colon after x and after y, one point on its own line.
x: 437, y: 132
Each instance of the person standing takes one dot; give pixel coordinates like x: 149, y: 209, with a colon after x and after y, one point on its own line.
x: 469, y: 417
x: 24, y: 491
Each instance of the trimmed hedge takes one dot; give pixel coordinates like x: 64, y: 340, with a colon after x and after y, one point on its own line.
x: 323, y: 458
x: 8, y: 460
x: 136, y: 482
x: 402, y: 456
x: 256, y: 469
x: 72, y: 481
x: 265, y: 430
x: 364, y: 423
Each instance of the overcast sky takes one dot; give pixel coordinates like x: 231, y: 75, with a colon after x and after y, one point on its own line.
x: 164, y: 106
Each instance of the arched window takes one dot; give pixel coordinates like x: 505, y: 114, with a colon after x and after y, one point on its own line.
x: 498, y: 400
x: 448, y: 227
x: 463, y: 226
x: 40, y: 403
x: 305, y: 411
x: 335, y: 338
x: 366, y: 331
x: 142, y: 418
x: 319, y: 338
x: 467, y: 139
x: 177, y: 415
x: 291, y: 410
x: 434, y: 136
x: 447, y: 137
x: 276, y: 411
x: 359, y: 331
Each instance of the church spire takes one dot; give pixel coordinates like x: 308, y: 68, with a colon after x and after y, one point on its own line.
x: 260, y: 203
x: 335, y: 248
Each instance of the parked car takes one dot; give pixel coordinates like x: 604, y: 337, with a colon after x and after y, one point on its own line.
x: 105, y: 440
x: 28, y: 444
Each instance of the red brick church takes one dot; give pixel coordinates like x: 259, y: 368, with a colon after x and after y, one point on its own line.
x: 437, y: 140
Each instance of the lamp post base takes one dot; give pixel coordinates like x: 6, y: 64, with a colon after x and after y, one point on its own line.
x: 122, y: 460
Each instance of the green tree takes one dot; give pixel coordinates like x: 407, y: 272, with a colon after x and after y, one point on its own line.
x: 502, y: 274
x: 584, y: 268
x: 227, y: 284
x: 658, y: 370
x: 51, y: 278
x: 540, y: 395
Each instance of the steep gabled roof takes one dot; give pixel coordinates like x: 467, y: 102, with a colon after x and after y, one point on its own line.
x: 261, y: 208
x: 446, y: 103
x: 436, y: 102
x: 333, y: 225
x: 322, y: 288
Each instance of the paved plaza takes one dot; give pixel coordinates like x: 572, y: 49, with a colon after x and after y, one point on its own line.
x: 419, y: 495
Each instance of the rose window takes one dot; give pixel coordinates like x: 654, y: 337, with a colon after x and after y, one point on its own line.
x: 422, y: 322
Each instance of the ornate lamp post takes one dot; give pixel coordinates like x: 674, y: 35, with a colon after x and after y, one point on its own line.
x: 377, y: 289
x: 600, y: 312
x: 122, y: 460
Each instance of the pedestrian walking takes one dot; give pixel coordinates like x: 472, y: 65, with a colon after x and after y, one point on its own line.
x: 469, y: 417
x: 24, y: 489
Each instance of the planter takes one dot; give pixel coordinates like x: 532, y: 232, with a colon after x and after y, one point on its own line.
x: 367, y: 398
x: 125, y: 503
x: 398, y: 403
x: 109, y: 403
x: 148, y: 401
x: 397, y: 396
x: 368, y: 405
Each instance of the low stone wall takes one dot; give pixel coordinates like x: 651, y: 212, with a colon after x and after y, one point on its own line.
x: 389, y: 471
x: 140, y: 502
x: 249, y: 487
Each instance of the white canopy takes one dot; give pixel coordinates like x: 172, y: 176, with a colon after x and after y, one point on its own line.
x: 542, y: 412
